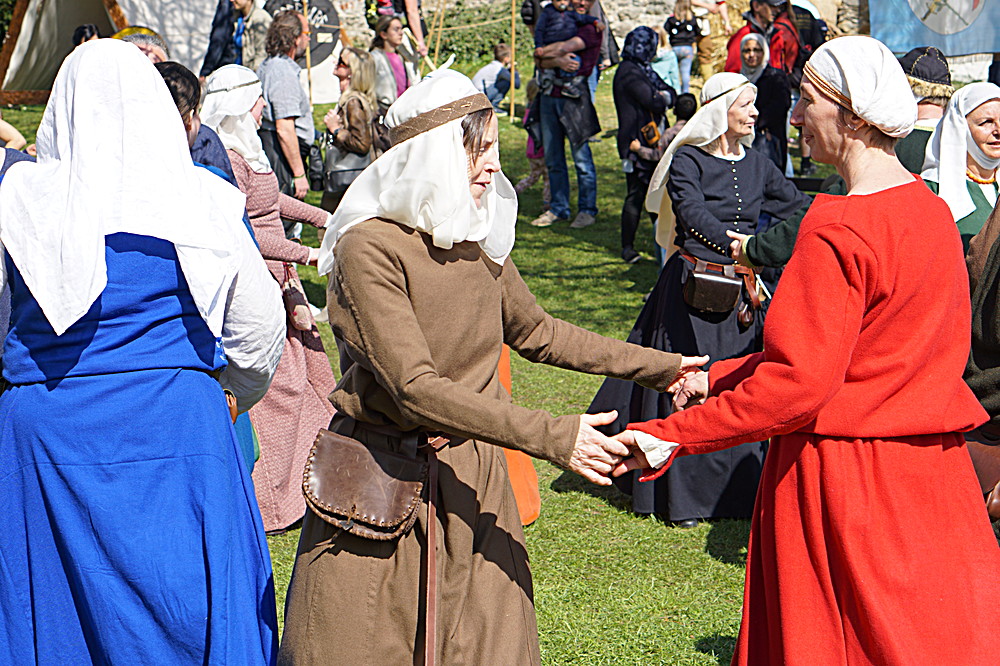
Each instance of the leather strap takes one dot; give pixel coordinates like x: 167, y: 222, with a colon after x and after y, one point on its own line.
x: 729, y: 270
x: 438, y: 116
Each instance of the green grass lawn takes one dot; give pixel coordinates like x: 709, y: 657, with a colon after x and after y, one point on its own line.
x: 610, y: 587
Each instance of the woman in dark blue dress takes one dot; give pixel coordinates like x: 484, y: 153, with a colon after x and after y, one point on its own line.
x: 130, y: 530
x: 715, y: 185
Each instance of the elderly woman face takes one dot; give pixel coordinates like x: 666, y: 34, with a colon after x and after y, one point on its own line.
x: 483, y: 165
x: 984, y: 125
x: 743, y: 114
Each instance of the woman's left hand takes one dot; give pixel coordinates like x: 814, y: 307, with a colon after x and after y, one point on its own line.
x: 332, y: 120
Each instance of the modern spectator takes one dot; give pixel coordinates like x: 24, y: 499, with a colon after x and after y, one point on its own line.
x: 250, y: 33
x: 149, y: 42
x: 586, y: 47
x: 349, y: 126
x: 394, y: 73
x: 493, y: 79
x: 221, y: 46
x: 769, y: 18
x: 287, y: 130
x: 665, y: 61
x: 774, y: 99
x: 641, y: 100
x: 705, y: 45
x: 683, y: 31
x: 85, y: 33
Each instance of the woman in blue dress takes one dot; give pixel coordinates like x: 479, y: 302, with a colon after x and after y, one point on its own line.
x: 129, y: 528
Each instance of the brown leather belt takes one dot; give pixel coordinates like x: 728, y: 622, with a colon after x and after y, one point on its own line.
x: 749, y: 274
x: 435, y: 441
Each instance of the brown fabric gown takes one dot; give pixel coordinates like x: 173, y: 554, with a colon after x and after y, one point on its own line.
x: 423, y: 328
x: 296, y: 405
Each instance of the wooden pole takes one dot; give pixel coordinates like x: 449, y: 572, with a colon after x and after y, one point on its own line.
x: 439, y: 22
x: 309, y: 72
x: 513, y: 62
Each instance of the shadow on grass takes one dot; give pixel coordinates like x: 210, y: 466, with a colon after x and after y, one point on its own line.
x: 727, y: 541
x: 568, y: 482
x: 720, y: 646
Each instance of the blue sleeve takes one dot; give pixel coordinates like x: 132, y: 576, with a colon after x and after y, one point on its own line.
x: 209, y: 151
x: 582, y: 19
x: 688, y: 198
x: 542, y: 26
x: 221, y: 50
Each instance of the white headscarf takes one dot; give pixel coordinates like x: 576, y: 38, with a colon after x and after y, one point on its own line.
x: 230, y: 93
x: 709, y: 123
x: 861, y: 74
x: 753, y: 73
x: 423, y: 182
x: 945, y: 156
x: 113, y: 157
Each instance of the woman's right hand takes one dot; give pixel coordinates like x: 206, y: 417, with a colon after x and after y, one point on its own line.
x: 736, y: 247
x: 595, y: 455
x: 332, y: 120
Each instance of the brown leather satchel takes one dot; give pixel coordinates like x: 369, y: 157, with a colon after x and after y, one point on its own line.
x: 370, y: 493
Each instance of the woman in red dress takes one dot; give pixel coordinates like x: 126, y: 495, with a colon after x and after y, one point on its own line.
x: 869, y: 542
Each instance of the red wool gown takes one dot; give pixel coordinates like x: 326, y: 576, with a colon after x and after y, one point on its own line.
x: 870, y: 542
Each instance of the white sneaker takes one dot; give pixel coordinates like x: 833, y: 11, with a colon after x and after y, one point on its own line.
x: 545, y: 219
x: 582, y: 220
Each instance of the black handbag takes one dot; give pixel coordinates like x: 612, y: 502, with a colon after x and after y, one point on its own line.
x: 342, y: 167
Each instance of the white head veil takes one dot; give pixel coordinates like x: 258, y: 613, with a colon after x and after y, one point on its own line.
x: 230, y: 93
x: 709, y: 123
x: 423, y: 180
x: 862, y: 75
x: 113, y: 157
x: 945, y: 156
x: 753, y: 73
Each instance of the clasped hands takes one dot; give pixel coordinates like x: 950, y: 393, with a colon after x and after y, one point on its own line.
x: 597, y: 457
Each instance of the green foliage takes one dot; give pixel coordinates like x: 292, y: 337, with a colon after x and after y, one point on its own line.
x: 489, y: 25
x: 6, y: 11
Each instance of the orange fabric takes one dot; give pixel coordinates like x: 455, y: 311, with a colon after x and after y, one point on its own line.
x: 523, y: 478
x: 869, y: 542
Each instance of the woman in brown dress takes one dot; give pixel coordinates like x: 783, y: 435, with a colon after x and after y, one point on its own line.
x: 295, y: 407
x: 423, y: 294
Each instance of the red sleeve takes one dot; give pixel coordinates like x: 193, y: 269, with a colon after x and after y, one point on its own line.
x: 733, y: 61
x: 726, y: 374
x: 810, y: 336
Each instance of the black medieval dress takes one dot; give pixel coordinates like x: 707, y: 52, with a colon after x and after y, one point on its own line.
x: 710, y: 195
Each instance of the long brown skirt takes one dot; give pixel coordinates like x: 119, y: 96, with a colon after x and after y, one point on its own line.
x: 355, y: 601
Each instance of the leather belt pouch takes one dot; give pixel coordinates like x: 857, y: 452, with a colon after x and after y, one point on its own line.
x: 370, y: 493
x: 712, y: 291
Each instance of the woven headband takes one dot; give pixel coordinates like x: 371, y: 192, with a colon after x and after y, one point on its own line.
x: 726, y: 92
x: 436, y: 117
x: 232, y: 88
x: 826, y: 87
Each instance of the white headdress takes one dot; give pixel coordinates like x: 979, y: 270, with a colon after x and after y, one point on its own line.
x: 113, y: 157
x: 230, y: 93
x: 423, y: 180
x: 951, y: 143
x: 709, y: 123
x: 753, y: 73
x: 862, y: 75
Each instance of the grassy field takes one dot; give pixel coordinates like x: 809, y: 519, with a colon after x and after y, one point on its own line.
x: 610, y: 587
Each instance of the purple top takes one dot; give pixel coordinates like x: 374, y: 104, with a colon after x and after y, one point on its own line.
x: 398, y: 71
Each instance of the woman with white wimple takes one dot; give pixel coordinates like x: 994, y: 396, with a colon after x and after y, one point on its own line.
x: 131, y: 535
x: 423, y: 294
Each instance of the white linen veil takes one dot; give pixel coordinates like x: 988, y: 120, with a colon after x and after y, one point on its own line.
x: 230, y: 92
x: 709, y: 123
x: 423, y: 182
x: 951, y: 142
x: 113, y: 157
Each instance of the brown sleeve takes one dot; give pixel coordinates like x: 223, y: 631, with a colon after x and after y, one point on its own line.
x: 374, y: 318
x: 541, y: 338
x: 356, y: 137
x: 292, y: 209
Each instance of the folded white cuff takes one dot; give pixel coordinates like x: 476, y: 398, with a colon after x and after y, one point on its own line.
x: 657, y: 451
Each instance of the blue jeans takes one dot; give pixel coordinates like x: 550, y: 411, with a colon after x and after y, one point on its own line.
x: 685, y: 58
x: 497, y: 92
x: 554, y: 141
x: 592, y: 80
